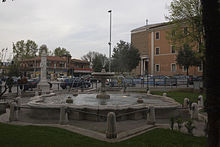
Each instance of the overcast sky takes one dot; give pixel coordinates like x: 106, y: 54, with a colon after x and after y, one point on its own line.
x: 79, y: 26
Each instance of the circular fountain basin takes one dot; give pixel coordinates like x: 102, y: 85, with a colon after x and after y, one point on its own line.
x: 116, y: 99
x: 88, y: 107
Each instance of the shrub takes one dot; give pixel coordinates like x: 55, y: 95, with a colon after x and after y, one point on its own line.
x: 179, y: 122
x: 189, y: 126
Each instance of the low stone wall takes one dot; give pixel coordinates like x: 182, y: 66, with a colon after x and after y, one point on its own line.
x: 101, y: 114
x: 164, y: 113
x: 38, y: 111
x: 3, y: 106
x: 52, y: 115
x: 40, y: 115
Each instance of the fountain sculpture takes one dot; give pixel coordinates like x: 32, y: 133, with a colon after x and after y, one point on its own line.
x: 102, y: 76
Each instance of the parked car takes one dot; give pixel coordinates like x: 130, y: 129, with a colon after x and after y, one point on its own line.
x: 62, y: 78
x: 181, y: 79
x: 164, y: 80
x: 32, y: 83
x: 119, y: 81
x: 15, y: 79
x: 75, y: 82
x: 116, y: 81
x: 129, y: 82
x: 93, y: 80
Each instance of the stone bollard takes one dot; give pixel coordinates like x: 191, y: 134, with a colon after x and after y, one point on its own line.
x: 164, y: 94
x: 200, y: 101
x: 69, y: 100
x: 140, y: 100
x: 36, y: 93
x: 151, y: 116
x: 51, y: 90
x: 148, y: 92
x: 18, y: 107
x: 194, y: 111
x: 62, y: 115
x: 19, y: 92
x: 12, y: 116
x: 111, y: 131
x: 186, y: 103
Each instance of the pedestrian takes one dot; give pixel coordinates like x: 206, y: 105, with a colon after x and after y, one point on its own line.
x: 142, y: 81
x: 24, y: 82
x: 20, y: 84
x: 9, y: 83
x: 0, y: 86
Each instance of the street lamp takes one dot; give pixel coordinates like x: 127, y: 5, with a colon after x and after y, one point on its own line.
x: 110, y: 11
x: 147, y: 57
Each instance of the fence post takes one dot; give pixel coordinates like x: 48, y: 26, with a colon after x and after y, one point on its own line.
x: 12, y: 116
x: 151, y: 116
x: 18, y: 107
x: 164, y: 94
x: 200, y: 101
x: 195, y: 112
x: 62, y: 115
x: 111, y: 131
x: 186, y: 103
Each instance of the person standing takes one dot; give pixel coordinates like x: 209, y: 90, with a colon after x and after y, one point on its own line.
x: 0, y: 86
x: 9, y: 83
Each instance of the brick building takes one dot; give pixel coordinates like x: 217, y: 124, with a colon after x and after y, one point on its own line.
x: 56, y: 67
x: 157, y: 54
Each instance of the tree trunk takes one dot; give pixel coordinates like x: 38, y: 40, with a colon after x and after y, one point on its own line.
x: 211, y: 15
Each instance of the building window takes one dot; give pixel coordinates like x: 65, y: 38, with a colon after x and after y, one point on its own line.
x: 184, y: 69
x: 157, y: 51
x: 62, y: 64
x: 157, y: 36
x: 173, y: 67
x: 157, y: 67
x: 173, y: 51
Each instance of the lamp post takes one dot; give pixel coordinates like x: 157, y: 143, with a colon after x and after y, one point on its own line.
x: 147, y: 57
x: 110, y: 11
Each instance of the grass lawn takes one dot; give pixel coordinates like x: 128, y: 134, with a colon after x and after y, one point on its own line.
x: 31, y: 136
x: 179, y: 96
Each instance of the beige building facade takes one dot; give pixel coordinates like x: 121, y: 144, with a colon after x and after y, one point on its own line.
x: 158, y: 56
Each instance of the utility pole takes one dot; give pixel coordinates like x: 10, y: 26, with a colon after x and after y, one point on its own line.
x: 110, y: 41
x: 147, y: 59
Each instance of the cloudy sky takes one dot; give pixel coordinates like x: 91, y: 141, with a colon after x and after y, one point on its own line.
x: 79, y: 26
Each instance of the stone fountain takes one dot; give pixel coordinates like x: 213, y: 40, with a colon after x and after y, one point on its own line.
x: 54, y: 107
x: 102, y: 76
x: 43, y: 85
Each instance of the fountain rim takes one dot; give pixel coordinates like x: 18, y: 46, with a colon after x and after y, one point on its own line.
x: 36, y: 102
x: 103, y: 74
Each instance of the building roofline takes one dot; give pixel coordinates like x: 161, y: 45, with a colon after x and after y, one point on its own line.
x: 78, y: 60
x: 150, y: 27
